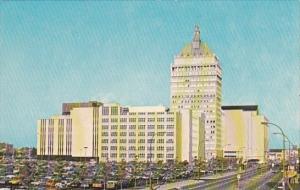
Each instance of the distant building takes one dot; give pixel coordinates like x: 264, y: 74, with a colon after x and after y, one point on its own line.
x: 6, y: 149
x: 244, y: 134
x: 196, y: 82
x: 276, y: 155
x: 115, y: 132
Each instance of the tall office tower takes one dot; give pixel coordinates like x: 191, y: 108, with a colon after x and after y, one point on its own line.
x: 196, y: 81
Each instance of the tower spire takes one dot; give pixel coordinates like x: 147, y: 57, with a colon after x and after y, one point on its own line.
x: 196, y: 34
x: 196, y: 41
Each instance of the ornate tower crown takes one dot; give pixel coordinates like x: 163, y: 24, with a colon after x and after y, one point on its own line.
x: 196, y: 48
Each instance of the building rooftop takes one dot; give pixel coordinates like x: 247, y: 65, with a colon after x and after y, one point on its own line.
x: 241, y: 107
x: 148, y: 108
x: 67, y: 107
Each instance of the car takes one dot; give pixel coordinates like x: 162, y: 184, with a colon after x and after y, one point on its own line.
x: 59, y: 185
x: 84, y: 185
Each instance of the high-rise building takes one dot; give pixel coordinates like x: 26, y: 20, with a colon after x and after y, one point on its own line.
x: 244, y: 134
x: 196, y: 81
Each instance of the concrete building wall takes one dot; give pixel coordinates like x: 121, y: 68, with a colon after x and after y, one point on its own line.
x: 244, y: 135
x: 82, y: 119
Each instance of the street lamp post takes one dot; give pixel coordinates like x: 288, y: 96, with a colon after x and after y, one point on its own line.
x: 85, y: 148
x: 85, y: 159
x: 290, y: 143
x: 283, y: 144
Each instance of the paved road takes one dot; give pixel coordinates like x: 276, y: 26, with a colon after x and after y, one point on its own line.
x: 228, y: 181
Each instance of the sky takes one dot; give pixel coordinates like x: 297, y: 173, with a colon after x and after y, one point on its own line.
x: 54, y: 52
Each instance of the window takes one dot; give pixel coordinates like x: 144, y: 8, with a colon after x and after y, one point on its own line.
x: 123, y: 155
x: 122, y: 147
x: 104, y: 148
x: 114, y: 127
x: 150, y: 140
x: 114, y: 141
x: 141, y: 120
x: 170, y: 126
x: 132, y: 127
x: 113, y: 148
x: 170, y: 155
x: 123, y: 120
x: 104, y: 134
x: 131, y: 140
x: 114, y: 110
x: 170, y: 141
x: 113, y: 155
x: 114, y: 120
x: 170, y: 134
x: 151, y: 119
x: 104, y: 155
x: 141, y: 134
x: 160, y: 127
x: 122, y: 140
x: 141, y: 148
x: 160, y: 148
x: 132, y: 119
x: 150, y: 126
x: 104, y: 126
x: 160, y: 155
x: 141, y: 127
x: 104, y: 140
x: 124, y: 111
x: 151, y: 134
x: 132, y: 148
x: 150, y: 148
x: 170, y: 119
x: 171, y: 148
x: 123, y: 134
x: 123, y: 127
x: 160, y: 119
x: 105, y: 110
x: 160, y: 141
x: 160, y: 134
x: 105, y: 120
x: 113, y: 134
x: 131, y: 134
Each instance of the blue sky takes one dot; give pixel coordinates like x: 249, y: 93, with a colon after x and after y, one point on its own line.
x: 55, y: 52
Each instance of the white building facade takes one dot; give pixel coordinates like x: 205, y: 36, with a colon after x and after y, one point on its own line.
x: 114, y: 132
x: 244, y: 134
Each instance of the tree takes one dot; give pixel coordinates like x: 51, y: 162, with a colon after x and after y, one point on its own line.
x: 121, y: 171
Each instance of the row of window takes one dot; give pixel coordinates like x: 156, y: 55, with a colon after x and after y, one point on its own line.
x: 139, y: 141
x: 141, y: 155
x: 115, y: 120
x: 149, y: 134
x: 115, y: 127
